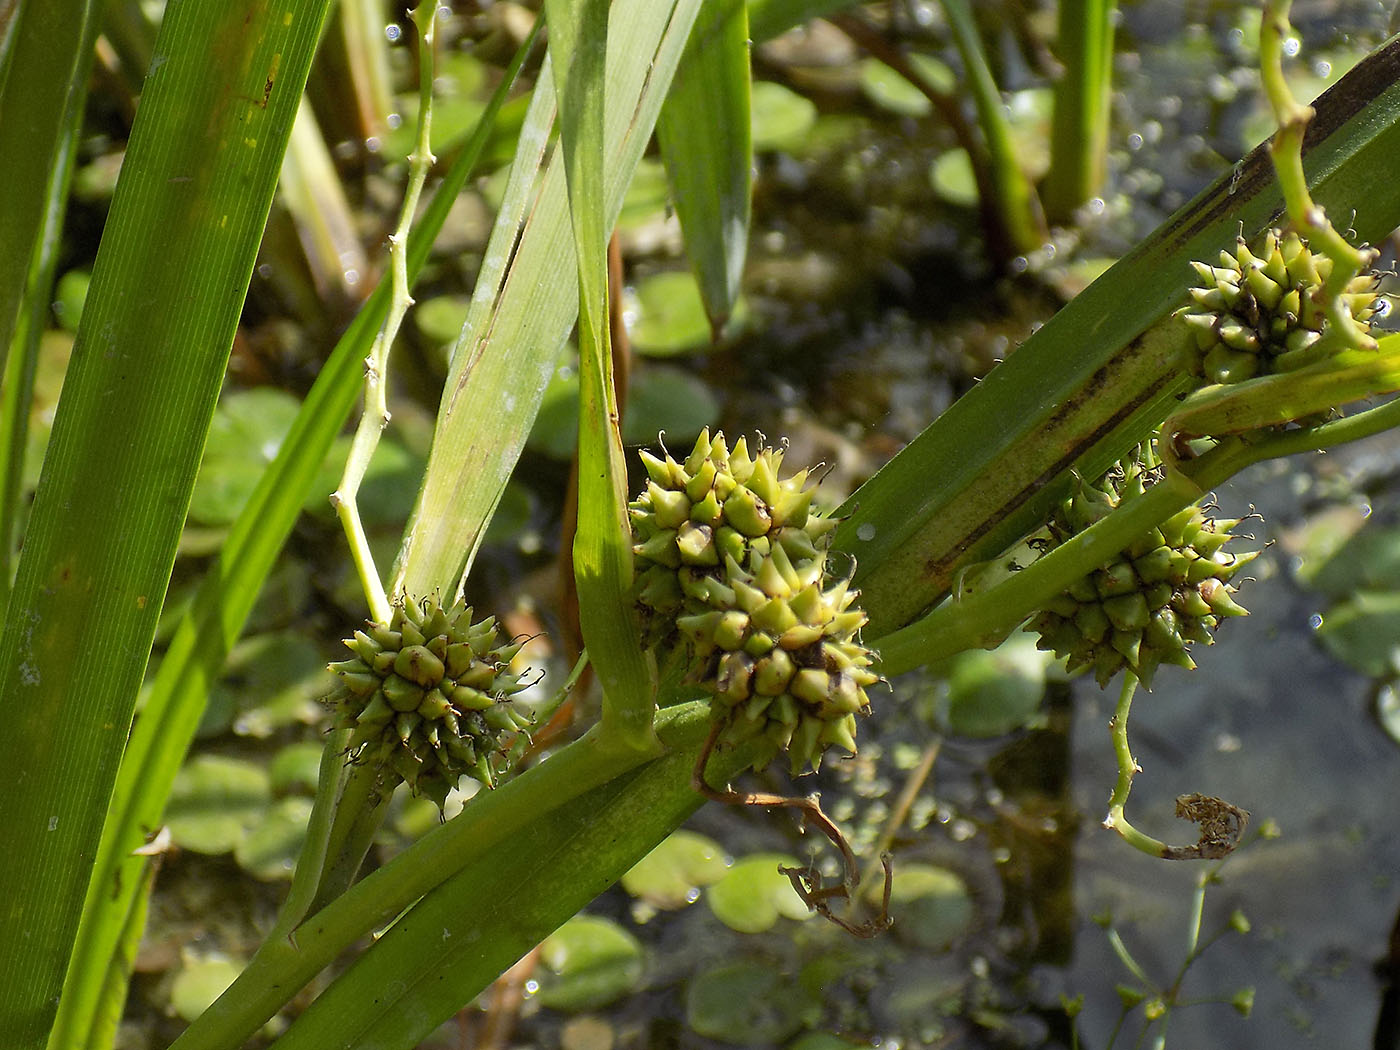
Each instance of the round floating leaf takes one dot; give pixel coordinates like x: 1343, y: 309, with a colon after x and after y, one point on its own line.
x: 890, y: 91
x: 997, y: 692
x: 244, y: 436
x: 1340, y: 557
x: 747, y: 1003
x: 199, y: 983
x: 670, y: 316
x: 270, y: 849
x: 296, y: 767
x: 390, y: 483
x: 755, y: 893
x: 952, y: 178
x: 781, y: 117
x: 670, y: 876
x: 1365, y: 632
x: 590, y: 961
x: 215, y: 801
x: 272, y: 680
x: 666, y: 400
x: 68, y: 297
x: 440, y: 318
x: 555, y: 431
x: 931, y: 906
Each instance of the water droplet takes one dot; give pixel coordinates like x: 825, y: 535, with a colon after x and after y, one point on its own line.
x: 1315, y: 621
x: 866, y: 532
x: 393, y: 32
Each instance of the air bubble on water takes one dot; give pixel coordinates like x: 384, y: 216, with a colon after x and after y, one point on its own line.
x: 1322, y: 68
x: 865, y: 532
x: 373, y: 144
x: 351, y: 277
x: 265, y: 271
x: 531, y: 987
x: 394, y: 120
x: 1365, y: 510
x: 1292, y: 46
x: 1096, y: 206
x: 1315, y: 621
x: 1135, y: 141
x: 392, y: 32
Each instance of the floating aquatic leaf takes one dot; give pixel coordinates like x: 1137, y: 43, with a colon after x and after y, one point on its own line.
x: 755, y: 894
x: 199, y: 983
x: 670, y: 876
x: 666, y: 400
x: 295, y: 767
x: 244, y: 436
x: 270, y: 849
x: 270, y: 681
x: 747, y: 1003
x: 952, y: 178
x: 889, y: 90
x: 671, y: 317
x: 997, y: 692
x: 931, y: 906
x: 1365, y: 632
x: 591, y: 961
x: 781, y: 117
x: 215, y: 801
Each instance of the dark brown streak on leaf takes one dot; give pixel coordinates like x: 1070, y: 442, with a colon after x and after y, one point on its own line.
x: 1061, y: 430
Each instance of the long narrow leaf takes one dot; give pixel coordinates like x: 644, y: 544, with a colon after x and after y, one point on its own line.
x: 1101, y: 372
x: 45, y: 71
x: 221, y: 606
x: 707, y: 145
x: 602, y: 551
x: 451, y: 945
x: 168, y: 284
x: 508, y: 351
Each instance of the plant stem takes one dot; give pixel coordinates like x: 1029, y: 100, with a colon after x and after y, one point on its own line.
x: 1079, y: 127
x: 1015, y: 196
x: 1127, y: 768
x: 1286, y: 149
x: 376, y: 410
x: 283, y: 965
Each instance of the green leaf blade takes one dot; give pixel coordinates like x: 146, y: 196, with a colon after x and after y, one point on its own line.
x: 707, y: 146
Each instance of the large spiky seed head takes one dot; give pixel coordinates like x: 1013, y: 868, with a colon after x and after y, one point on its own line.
x: 427, y: 697
x: 1147, y: 606
x: 716, y: 504
x: 1262, y: 313
x: 778, y: 648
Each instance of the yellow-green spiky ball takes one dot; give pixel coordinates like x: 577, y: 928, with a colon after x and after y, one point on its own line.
x: 1259, y: 314
x: 427, y: 696
x: 1147, y: 606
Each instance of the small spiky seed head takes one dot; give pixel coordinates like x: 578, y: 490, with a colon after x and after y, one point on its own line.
x: 1261, y: 314
x: 427, y: 697
x: 1147, y: 606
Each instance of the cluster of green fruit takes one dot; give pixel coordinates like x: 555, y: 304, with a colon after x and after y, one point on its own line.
x: 732, y: 564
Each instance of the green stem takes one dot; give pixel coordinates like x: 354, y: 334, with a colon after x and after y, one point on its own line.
x: 376, y: 411
x: 1016, y: 200
x: 1079, y: 127
x: 283, y: 965
x: 1117, y: 820
x: 1286, y: 149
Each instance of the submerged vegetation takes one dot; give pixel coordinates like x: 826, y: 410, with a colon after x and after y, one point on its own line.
x: 562, y: 643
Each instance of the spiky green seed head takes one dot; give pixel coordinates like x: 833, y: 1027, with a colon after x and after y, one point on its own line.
x: 1147, y: 606
x: 719, y: 503
x: 776, y: 643
x: 427, y: 697
x: 1261, y: 314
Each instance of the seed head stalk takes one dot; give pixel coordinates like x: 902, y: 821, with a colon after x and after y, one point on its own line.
x: 375, y: 416
x: 1306, y: 215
